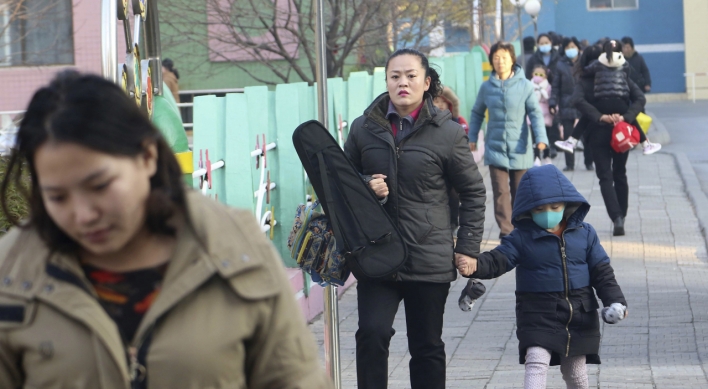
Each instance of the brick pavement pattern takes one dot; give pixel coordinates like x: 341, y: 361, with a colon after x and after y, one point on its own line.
x: 660, y: 265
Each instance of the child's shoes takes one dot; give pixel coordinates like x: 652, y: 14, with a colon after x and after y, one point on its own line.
x: 613, y: 314
x: 472, y: 291
x: 566, y: 145
x: 650, y: 148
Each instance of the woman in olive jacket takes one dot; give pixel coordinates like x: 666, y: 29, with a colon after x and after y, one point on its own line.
x: 411, y: 153
x: 122, y: 278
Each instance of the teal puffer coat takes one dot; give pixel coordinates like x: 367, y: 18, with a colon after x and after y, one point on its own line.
x: 508, y: 141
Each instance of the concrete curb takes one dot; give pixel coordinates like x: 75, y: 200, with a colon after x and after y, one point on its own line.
x: 658, y: 132
x: 691, y: 184
x: 695, y: 193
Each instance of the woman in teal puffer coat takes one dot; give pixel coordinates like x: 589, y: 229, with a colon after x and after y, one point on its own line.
x: 508, y: 142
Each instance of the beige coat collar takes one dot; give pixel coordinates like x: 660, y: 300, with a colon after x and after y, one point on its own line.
x: 201, y: 252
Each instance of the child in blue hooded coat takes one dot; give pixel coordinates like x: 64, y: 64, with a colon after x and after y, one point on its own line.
x: 559, y: 261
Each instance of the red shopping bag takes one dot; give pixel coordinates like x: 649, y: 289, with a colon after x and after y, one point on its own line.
x: 624, y: 137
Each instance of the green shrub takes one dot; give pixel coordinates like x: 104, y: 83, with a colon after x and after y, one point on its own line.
x: 16, y: 203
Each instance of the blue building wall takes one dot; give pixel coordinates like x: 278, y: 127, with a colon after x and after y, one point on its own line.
x: 654, y: 22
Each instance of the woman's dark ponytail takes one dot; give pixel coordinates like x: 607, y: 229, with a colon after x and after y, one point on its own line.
x: 436, y: 87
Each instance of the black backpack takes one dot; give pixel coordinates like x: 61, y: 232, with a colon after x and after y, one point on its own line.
x: 365, y: 235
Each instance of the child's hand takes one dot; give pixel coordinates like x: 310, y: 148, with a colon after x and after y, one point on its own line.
x: 614, y: 313
x: 466, y: 265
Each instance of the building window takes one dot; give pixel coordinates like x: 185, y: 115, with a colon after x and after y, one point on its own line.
x: 36, y: 32
x: 597, y: 5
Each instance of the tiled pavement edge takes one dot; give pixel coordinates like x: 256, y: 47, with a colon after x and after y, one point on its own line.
x: 660, y: 264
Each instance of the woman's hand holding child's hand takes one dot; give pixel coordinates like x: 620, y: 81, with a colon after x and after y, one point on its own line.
x: 466, y: 265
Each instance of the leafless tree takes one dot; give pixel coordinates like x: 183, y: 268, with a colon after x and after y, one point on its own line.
x: 279, y: 34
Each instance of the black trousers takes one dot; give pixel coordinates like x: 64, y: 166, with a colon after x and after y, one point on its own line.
x: 424, y: 303
x: 611, y: 169
x: 569, y: 129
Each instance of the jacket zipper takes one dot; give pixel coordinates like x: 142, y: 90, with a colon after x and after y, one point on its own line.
x: 567, y: 299
x: 398, y: 148
x: 137, y: 371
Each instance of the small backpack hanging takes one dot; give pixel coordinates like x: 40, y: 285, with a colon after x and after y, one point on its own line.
x: 624, y: 137
x: 366, y: 237
x: 312, y: 245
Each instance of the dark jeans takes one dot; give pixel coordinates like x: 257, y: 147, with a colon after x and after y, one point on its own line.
x: 611, y: 169
x: 424, y: 303
x: 568, y: 130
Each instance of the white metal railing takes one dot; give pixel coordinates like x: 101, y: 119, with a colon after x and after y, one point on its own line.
x: 693, y: 82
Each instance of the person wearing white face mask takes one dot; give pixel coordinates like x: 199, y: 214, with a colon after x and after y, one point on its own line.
x: 561, y: 93
x: 545, y: 55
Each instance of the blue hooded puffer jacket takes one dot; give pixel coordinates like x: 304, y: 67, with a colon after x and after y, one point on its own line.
x: 536, y: 253
x: 508, y: 141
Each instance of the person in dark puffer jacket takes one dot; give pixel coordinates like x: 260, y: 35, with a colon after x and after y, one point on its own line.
x: 411, y: 153
x: 559, y: 264
x: 611, y: 91
x: 561, y: 93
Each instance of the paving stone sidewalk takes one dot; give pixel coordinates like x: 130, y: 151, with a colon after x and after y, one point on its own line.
x: 661, y: 265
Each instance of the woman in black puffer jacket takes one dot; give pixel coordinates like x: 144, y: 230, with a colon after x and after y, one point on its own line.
x: 412, y: 153
x: 602, y: 114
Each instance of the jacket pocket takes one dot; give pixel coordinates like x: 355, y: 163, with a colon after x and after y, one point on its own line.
x: 414, y: 225
x: 439, y: 217
x: 537, y: 315
x: 590, y: 319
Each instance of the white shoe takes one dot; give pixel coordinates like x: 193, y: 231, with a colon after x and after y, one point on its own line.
x: 565, y: 145
x: 651, y: 148
x: 546, y: 161
x: 536, y: 162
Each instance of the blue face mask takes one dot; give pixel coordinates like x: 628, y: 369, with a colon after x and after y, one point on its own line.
x: 545, y: 49
x: 571, y: 53
x: 548, y: 219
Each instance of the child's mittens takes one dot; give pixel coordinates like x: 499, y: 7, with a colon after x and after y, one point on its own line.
x: 614, y: 313
x: 472, y: 291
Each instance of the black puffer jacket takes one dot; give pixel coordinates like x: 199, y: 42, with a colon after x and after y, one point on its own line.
x: 432, y: 158
x: 555, y: 276
x: 584, y: 100
x: 610, y: 82
x: 562, y: 89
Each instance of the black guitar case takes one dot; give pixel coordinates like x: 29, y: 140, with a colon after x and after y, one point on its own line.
x: 365, y: 235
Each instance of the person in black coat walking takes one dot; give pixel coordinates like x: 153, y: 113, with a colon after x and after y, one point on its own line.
x: 560, y: 265
x: 610, y: 166
x: 561, y: 93
x: 411, y: 154
x: 640, y: 72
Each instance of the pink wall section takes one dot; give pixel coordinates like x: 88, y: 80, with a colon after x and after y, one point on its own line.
x: 17, y: 84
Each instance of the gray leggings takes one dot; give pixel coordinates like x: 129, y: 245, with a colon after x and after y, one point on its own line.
x: 575, y: 373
